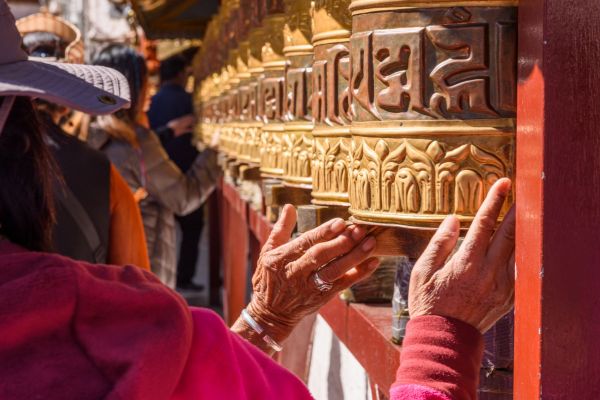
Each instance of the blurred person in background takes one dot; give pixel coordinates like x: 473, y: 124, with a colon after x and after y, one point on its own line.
x: 161, y: 187
x: 172, y: 101
x: 97, y: 218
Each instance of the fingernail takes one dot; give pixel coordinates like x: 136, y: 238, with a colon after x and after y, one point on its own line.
x: 374, y: 263
x: 449, y: 224
x: 369, y: 244
x: 358, y: 233
x: 338, y: 225
x: 505, y: 189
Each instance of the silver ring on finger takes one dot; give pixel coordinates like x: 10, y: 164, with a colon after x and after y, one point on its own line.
x: 321, y: 284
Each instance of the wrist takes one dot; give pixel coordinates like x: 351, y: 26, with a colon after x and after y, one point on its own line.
x: 276, y: 327
x: 245, y: 331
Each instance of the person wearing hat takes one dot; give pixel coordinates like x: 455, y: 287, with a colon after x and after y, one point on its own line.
x: 141, y: 159
x: 97, y: 217
x: 74, y: 330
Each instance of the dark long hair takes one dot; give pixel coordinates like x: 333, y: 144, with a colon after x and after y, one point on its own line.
x: 26, y: 176
x: 133, y: 66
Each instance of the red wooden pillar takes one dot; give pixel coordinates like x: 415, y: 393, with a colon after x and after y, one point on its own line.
x: 235, y: 253
x: 557, y: 345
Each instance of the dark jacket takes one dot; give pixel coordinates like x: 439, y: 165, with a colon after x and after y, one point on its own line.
x: 82, y: 200
x: 170, y: 191
x: 172, y: 102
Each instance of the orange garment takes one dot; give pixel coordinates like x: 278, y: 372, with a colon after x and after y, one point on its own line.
x: 127, y: 242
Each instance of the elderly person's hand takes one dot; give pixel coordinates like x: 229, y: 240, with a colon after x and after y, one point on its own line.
x: 285, y: 288
x: 476, y: 285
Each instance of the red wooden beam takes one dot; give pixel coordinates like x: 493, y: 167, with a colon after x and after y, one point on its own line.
x: 366, y: 329
x: 557, y: 351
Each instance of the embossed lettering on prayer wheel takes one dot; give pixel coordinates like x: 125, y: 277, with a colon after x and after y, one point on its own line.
x: 297, y: 137
x: 331, y: 102
x: 433, y: 104
x: 271, y: 97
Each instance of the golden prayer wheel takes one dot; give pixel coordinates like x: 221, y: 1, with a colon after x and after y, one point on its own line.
x: 233, y: 105
x: 244, y: 119
x: 331, y: 102
x: 433, y: 90
x: 201, y: 102
x: 271, y: 97
x: 224, y: 127
x: 297, y: 137
x: 250, y: 98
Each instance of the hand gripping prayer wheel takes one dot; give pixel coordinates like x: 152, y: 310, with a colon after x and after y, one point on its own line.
x: 297, y: 137
x: 433, y: 89
x: 331, y: 102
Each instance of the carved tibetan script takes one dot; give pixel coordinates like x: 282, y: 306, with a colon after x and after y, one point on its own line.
x: 446, y: 70
x: 272, y: 95
x: 248, y: 102
x: 298, y: 89
x: 331, y: 96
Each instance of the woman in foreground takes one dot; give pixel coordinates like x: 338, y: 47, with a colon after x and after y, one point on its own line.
x: 72, y: 330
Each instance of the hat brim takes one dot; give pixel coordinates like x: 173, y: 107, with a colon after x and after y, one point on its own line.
x: 87, y: 88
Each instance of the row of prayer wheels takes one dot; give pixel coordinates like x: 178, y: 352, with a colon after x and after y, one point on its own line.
x: 400, y: 111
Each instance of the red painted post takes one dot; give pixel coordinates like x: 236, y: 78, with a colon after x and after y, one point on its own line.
x: 557, y: 351
x: 235, y: 253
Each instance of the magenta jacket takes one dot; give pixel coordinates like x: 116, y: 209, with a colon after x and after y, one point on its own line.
x: 72, y: 330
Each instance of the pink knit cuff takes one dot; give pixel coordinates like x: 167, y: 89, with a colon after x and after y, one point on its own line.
x: 416, y: 392
x: 443, y: 354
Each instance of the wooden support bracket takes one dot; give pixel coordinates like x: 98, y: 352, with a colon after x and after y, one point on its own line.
x: 278, y: 195
x: 233, y: 168
x: 311, y: 216
x: 400, y: 240
x: 250, y: 173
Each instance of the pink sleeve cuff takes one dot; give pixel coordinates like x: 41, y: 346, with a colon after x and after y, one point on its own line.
x: 416, y: 392
x: 443, y: 354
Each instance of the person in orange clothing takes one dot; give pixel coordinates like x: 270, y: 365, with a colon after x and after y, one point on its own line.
x: 97, y: 217
x: 126, y: 238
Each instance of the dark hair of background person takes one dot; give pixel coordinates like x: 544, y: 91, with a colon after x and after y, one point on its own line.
x: 172, y: 67
x: 26, y: 171
x: 133, y: 66
x: 44, y: 44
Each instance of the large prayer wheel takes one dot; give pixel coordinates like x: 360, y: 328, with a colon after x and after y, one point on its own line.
x: 271, y: 97
x: 433, y: 90
x: 297, y: 136
x: 251, y: 98
x: 331, y: 102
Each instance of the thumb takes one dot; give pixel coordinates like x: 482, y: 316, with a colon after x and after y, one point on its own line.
x: 283, y: 228
x: 439, y: 248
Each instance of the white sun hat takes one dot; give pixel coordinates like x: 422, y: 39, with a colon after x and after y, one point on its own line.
x: 90, y: 89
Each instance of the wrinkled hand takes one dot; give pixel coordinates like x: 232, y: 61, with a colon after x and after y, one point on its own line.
x: 284, y: 290
x: 476, y: 285
x: 182, y: 125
